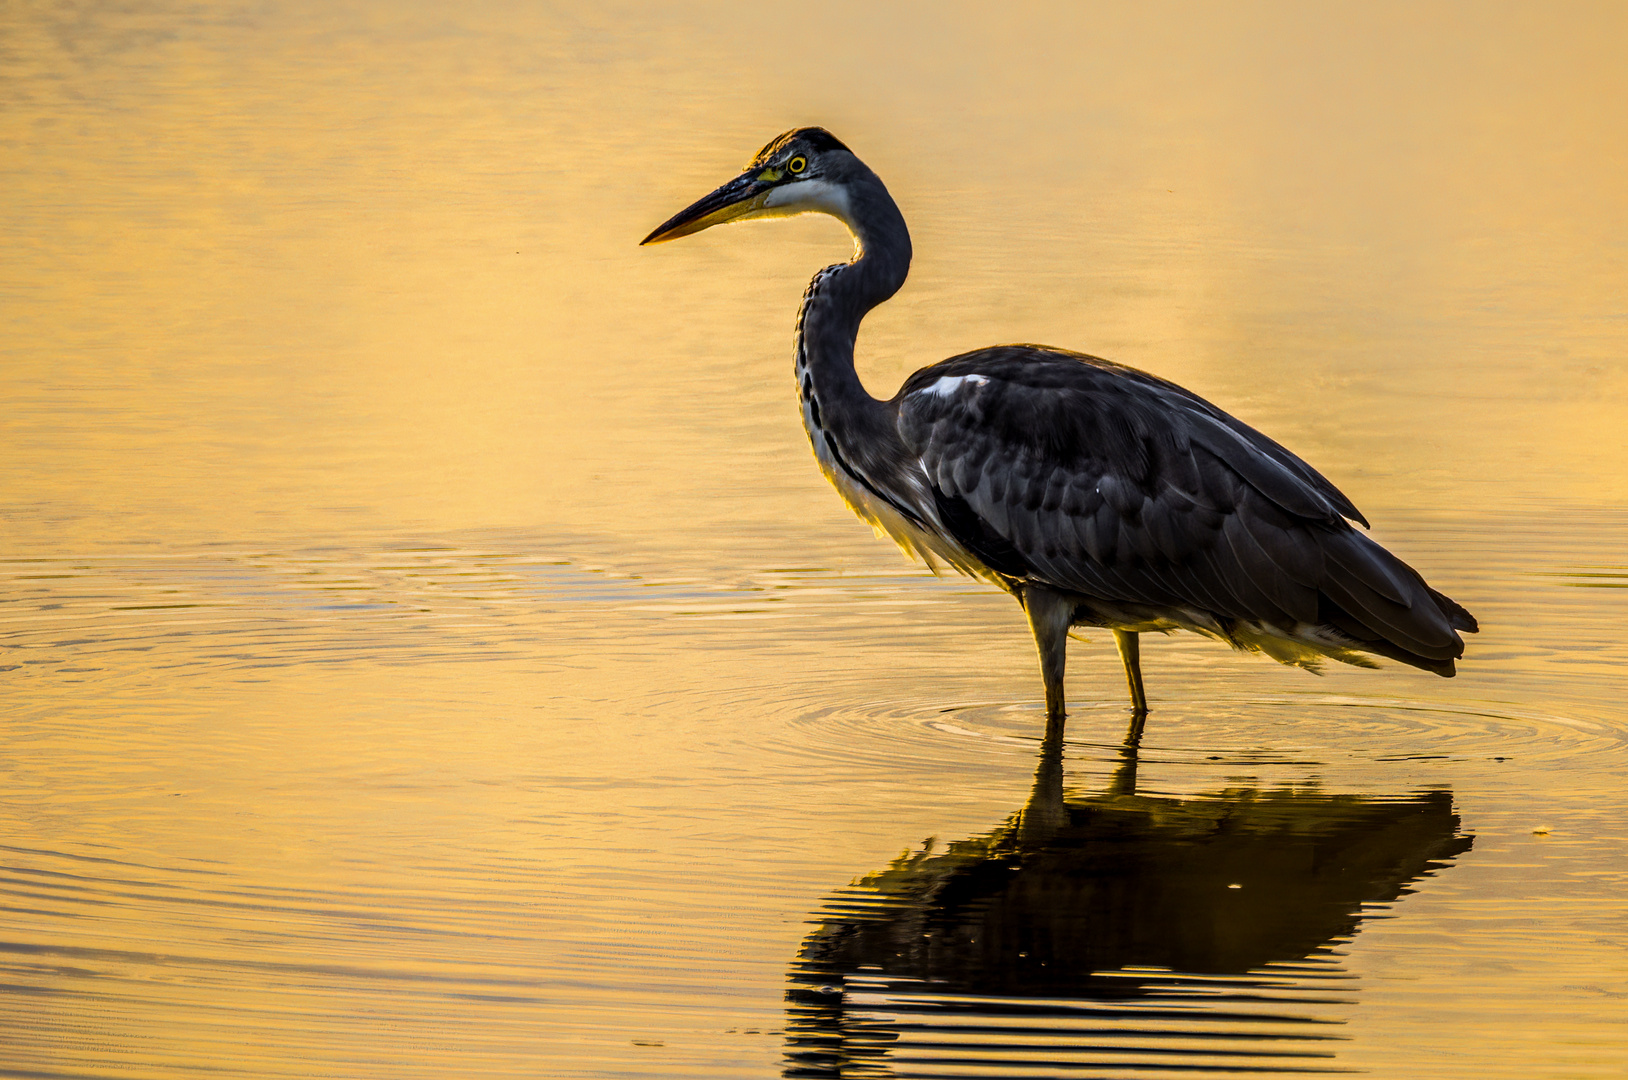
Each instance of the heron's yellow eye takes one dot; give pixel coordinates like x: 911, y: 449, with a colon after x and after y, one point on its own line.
x: 796, y: 165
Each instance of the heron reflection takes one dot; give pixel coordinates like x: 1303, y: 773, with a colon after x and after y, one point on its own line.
x: 1118, y: 931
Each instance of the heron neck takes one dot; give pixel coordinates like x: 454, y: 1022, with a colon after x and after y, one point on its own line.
x: 839, y: 298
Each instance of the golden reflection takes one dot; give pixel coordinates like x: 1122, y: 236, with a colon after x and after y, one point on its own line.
x: 1113, y: 929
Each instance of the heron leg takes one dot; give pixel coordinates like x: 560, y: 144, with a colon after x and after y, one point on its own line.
x: 1049, y: 616
x: 1130, y: 651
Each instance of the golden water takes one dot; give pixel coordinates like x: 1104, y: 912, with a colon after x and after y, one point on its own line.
x: 427, y: 648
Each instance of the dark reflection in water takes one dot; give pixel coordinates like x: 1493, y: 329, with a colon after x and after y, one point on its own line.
x: 1122, y: 934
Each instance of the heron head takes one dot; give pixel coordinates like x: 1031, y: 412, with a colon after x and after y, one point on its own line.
x: 803, y: 171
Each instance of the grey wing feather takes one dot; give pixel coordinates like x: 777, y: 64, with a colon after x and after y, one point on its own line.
x: 1107, y: 482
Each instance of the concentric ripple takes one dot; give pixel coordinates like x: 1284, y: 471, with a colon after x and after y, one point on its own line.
x: 1310, y: 730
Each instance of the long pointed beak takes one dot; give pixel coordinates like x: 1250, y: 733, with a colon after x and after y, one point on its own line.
x: 736, y: 199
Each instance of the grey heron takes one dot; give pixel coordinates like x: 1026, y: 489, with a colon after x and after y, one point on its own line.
x: 1094, y: 493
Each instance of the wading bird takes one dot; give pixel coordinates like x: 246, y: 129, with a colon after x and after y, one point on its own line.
x: 1096, y: 494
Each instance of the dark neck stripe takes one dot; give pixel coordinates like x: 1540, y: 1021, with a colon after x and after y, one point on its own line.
x: 805, y: 388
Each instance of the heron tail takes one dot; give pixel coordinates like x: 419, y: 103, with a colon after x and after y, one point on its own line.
x: 1385, y: 607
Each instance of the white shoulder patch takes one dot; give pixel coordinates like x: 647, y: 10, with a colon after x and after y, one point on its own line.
x: 949, y: 384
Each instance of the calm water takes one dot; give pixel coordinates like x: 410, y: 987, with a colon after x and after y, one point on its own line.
x: 427, y: 649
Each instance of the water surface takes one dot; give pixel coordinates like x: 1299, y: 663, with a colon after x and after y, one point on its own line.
x: 428, y: 649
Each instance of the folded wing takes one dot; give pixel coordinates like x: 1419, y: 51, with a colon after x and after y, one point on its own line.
x: 1103, y: 481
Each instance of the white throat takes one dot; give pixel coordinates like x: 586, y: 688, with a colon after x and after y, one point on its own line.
x: 810, y: 197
